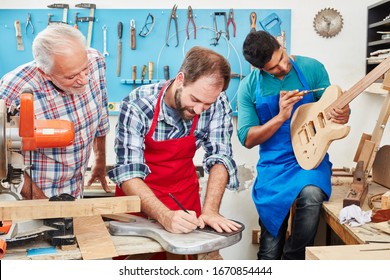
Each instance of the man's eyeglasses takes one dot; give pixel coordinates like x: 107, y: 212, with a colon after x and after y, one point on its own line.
x: 148, y: 26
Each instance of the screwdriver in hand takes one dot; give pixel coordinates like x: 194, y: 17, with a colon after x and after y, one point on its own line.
x: 306, y: 91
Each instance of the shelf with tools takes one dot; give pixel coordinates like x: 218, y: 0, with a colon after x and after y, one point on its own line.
x: 378, y: 33
x: 139, y: 82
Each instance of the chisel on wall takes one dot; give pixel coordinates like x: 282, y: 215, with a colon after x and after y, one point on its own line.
x: 143, y: 73
x: 134, y: 76
x: 151, y: 69
x: 19, y: 35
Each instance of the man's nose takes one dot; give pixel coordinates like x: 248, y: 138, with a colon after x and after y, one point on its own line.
x: 83, y: 79
x: 198, y: 109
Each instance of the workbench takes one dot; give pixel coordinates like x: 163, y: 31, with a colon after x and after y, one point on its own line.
x: 331, y: 209
x: 367, y: 236
x: 124, y: 245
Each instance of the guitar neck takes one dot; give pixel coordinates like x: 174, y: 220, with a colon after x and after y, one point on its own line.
x: 360, y: 86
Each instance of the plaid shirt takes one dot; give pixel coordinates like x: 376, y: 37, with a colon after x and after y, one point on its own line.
x: 61, y: 170
x: 213, y: 132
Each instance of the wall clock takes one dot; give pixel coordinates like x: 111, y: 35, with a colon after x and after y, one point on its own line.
x: 328, y: 22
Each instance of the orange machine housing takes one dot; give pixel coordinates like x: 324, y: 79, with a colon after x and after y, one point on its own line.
x: 42, y: 133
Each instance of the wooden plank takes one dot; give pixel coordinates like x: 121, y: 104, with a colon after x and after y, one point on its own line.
x: 43, y: 208
x: 365, y: 137
x: 93, y: 238
x: 386, y: 81
x: 382, y: 226
x: 120, y: 217
x: 350, y: 252
x: 125, y: 245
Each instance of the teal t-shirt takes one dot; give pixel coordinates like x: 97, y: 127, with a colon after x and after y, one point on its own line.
x: 315, y: 75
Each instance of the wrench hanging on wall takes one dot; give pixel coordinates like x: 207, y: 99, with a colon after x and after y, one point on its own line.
x: 105, y: 52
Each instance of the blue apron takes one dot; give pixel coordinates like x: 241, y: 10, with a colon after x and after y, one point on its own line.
x: 280, y: 179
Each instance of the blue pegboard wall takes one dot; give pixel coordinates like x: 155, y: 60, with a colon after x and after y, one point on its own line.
x: 151, y: 48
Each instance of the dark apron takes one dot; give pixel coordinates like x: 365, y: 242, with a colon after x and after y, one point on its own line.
x: 280, y: 179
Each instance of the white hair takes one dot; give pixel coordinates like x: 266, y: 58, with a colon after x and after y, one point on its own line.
x: 55, y: 39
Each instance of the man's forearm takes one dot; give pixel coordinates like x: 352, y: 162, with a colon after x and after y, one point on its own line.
x: 218, y: 179
x: 99, y: 149
x: 29, y: 187
x: 150, y: 204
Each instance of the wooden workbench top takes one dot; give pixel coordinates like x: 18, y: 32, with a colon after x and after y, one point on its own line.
x: 331, y: 209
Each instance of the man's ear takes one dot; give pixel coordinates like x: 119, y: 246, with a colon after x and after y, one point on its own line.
x: 180, y: 78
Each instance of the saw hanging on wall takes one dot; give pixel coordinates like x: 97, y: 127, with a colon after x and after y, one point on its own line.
x: 312, y: 130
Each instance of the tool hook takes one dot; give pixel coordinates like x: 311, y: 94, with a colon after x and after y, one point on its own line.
x: 29, y: 23
x: 231, y: 20
x: 174, y: 18
x: 190, y: 18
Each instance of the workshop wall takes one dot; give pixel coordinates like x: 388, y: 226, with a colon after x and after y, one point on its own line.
x: 158, y: 47
x: 343, y: 56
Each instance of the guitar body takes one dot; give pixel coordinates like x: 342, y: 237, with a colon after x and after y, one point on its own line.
x: 196, y: 242
x: 312, y: 132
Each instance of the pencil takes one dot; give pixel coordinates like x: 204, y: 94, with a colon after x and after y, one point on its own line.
x: 178, y: 203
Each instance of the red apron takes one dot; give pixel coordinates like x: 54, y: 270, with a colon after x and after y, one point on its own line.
x: 172, y: 168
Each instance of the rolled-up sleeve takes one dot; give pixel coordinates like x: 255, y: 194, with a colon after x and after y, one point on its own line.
x: 218, y: 144
x: 129, y: 145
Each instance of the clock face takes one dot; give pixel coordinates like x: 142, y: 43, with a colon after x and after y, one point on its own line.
x: 328, y: 22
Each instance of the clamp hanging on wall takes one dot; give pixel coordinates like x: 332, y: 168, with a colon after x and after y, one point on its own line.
x: 89, y: 19
x: 65, y: 8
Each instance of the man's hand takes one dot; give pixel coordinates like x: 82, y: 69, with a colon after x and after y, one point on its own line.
x: 218, y: 222
x: 340, y: 116
x: 98, y: 173
x: 179, y: 221
x: 286, y: 103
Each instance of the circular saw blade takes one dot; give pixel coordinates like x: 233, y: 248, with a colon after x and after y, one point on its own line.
x: 3, y: 142
x: 328, y: 22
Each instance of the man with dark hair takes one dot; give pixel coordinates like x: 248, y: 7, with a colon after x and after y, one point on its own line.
x: 267, y: 98
x: 160, y: 127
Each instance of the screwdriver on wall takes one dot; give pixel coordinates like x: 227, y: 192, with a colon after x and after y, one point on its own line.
x: 151, y: 69
x: 119, y: 61
x: 143, y: 73
x: 134, y: 76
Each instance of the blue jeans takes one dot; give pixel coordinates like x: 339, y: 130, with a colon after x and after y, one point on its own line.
x: 304, y: 229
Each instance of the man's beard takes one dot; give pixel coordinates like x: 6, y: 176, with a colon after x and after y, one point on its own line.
x: 182, y: 110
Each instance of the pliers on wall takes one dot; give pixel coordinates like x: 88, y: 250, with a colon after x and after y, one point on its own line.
x: 231, y: 20
x: 29, y: 23
x: 190, y: 18
x: 174, y: 18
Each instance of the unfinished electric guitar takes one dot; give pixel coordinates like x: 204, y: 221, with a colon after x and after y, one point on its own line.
x: 196, y: 242
x: 312, y: 131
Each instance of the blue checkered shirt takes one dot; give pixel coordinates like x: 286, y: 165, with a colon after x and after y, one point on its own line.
x: 213, y: 133
x: 61, y: 170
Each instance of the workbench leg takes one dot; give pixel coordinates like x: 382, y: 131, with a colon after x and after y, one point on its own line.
x: 328, y: 235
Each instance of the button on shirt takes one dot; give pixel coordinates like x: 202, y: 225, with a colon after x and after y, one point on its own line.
x: 213, y: 133
x: 61, y: 170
